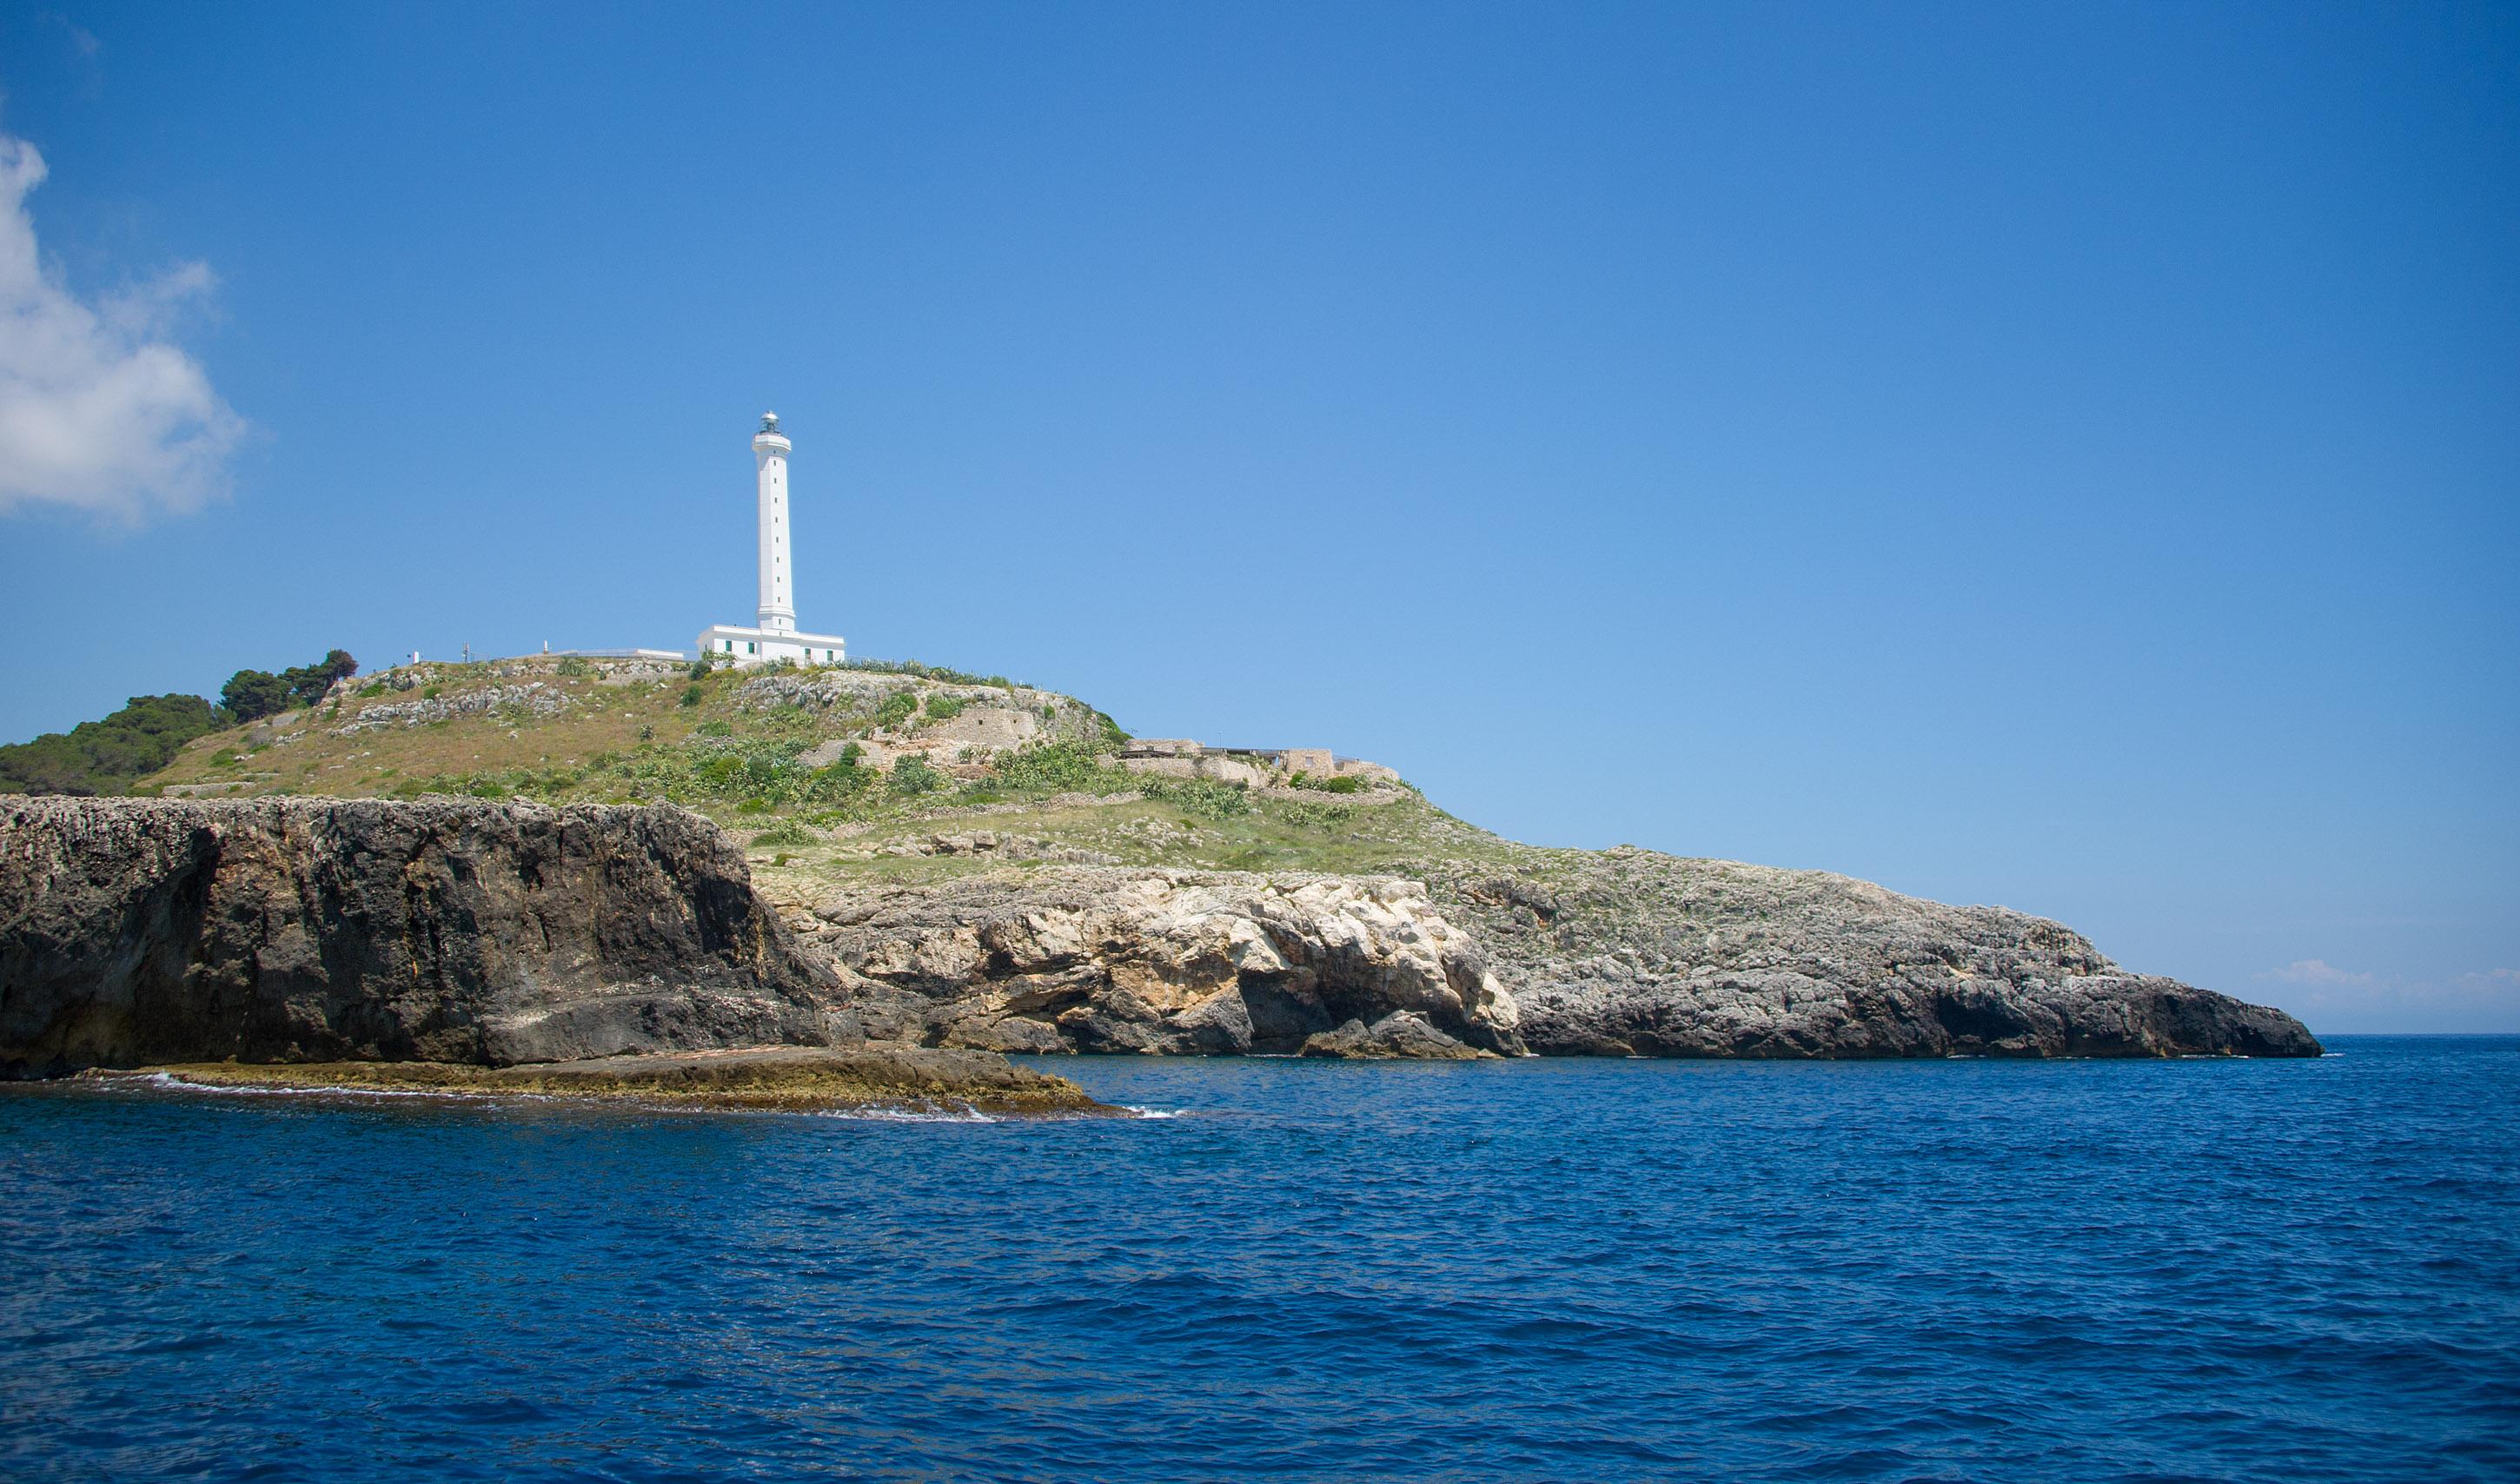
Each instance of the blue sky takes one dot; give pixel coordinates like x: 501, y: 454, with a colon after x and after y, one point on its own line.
x: 2061, y: 457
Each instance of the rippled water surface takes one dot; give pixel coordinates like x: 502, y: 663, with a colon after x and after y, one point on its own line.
x: 2293, y: 1271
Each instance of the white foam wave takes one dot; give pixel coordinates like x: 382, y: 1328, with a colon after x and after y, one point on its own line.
x: 909, y: 1116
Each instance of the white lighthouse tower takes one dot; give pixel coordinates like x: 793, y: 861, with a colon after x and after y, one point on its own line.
x: 775, y: 636
x: 770, y: 448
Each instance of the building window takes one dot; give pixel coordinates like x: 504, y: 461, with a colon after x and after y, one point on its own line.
x: 749, y: 647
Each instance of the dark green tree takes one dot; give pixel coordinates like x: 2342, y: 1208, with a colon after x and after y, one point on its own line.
x: 107, y: 756
x: 308, y: 682
x: 252, y: 695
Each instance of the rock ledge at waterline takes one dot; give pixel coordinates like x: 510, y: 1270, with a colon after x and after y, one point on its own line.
x: 300, y: 929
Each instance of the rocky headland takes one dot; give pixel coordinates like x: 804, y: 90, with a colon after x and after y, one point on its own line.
x: 553, y: 860
x: 1626, y: 954
x: 1629, y: 952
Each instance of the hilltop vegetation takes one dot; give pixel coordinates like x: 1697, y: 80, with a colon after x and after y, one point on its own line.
x: 252, y: 694
x: 853, y: 770
x: 107, y: 756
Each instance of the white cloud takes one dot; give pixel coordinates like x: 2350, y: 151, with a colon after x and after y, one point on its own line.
x: 98, y: 410
x: 2341, y: 1000
x: 2317, y: 971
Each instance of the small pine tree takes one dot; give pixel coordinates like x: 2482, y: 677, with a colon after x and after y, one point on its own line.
x: 252, y: 695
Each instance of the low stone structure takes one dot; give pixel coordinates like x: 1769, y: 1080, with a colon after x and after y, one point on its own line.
x: 1256, y: 767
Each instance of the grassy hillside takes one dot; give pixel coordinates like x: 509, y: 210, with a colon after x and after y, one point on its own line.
x: 842, y: 772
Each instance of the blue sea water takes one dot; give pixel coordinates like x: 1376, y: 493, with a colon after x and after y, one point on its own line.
x: 1540, y: 1270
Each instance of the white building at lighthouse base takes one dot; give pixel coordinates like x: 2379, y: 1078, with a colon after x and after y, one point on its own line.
x: 752, y: 646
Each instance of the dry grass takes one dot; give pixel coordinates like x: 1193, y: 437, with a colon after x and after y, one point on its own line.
x: 304, y: 754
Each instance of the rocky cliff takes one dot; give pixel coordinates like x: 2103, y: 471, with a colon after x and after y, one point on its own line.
x: 304, y: 929
x: 1629, y: 952
x: 1621, y: 953
x: 1101, y: 960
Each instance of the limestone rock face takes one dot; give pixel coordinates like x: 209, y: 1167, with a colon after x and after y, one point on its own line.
x: 527, y: 700
x: 298, y: 929
x: 1621, y: 953
x: 1108, y: 960
x: 1399, y: 1034
x: 1629, y: 952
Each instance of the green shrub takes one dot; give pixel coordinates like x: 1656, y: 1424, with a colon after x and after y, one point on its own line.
x: 841, y: 782
x: 714, y: 729
x: 1304, y: 814
x: 755, y: 805
x: 836, y: 785
x: 1065, y: 767
x: 944, y: 707
x: 912, y: 776
x: 431, y: 692
x: 1205, y: 798
x: 691, y: 696
x: 896, y: 709
x: 1337, y: 784
x: 574, y: 667
x: 784, y: 835
x: 949, y: 676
